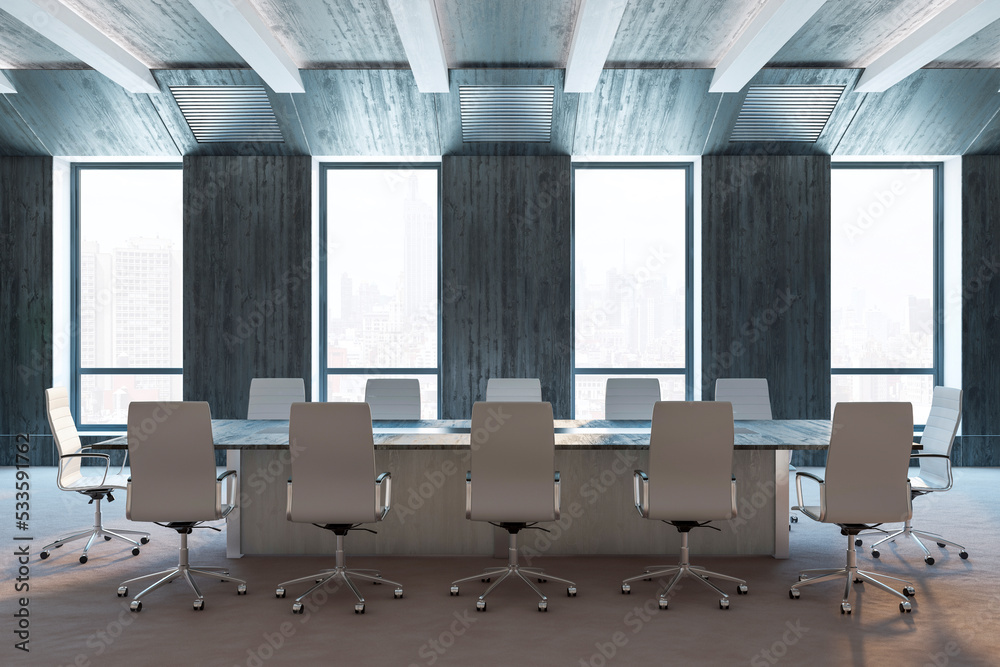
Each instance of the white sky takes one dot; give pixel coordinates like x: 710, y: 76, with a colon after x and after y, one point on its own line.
x: 131, y: 203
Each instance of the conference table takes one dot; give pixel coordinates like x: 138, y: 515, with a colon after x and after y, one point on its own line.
x: 428, y: 460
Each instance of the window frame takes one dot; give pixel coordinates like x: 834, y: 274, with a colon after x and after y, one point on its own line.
x: 325, y: 371
x: 688, y: 370
x: 76, y: 332
x: 936, y: 371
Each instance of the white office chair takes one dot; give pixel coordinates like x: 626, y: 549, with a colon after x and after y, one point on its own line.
x: 271, y: 398
x: 934, y: 461
x: 749, y: 396
x: 513, y: 389
x: 630, y: 398
x: 173, y: 484
x: 511, y: 483
x: 865, y: 485
x: 690, y: 483
x: 391, y: 398
x: 70, y: 477
x: 334, y: 486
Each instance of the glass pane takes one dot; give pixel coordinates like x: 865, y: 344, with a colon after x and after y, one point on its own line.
x: 130, y: 268
x: 352, y: 388
x: 104, y: 399
x: 882, y: 268
x: 590, y: 390
x: 917, y: 389
x: 382, y: 268
x: 630, y: 266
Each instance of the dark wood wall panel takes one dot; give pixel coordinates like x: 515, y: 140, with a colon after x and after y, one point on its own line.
x: 26, y: 304
x: 247, y: 266
x: 980, y: 445
x: 506, y: 278
x: 766, y: 279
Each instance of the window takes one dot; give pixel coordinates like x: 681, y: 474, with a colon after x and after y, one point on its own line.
x: 885, y: 283
x: 633, y: 309
x: 379, y: 279
x: 127, y: 297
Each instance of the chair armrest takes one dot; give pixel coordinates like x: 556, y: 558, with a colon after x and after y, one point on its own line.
x: 735, y: 511
x: 85, y: 455
x: 639, y: 479
x: 822, y: 494
x: 557, y: 491
x: 382, y: 508
x: 230, y: 478
x: 921, y: 455
x: 468, y: 494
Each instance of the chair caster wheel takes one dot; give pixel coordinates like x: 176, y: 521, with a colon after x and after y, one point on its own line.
x: 542, y: 580
x: 626, y: 589
x: 241, y: 589
x: 904, y: 607
x: 909, y: 591
x: 662, y: 604
x: 480, y: 605
x: 297, y: 608
x: 724, y: 603
x: 279, y: 593
x: 486, y: 580
x: 543, y: 606
x: 742, y: 589
x: 199, y: 605
x: 929, y: 560
x: 454, y: 590
x: 43, y: 555
x: 135, y: 606
x: 963, y: 554
x: 83, y: 559
x: 858, y: 543
x: 845, y: 607
x: 107, y: 538
x: 793, y: 593
x: 359, y: 608
x: 858, y: 581
x: 875, y: 553
x: 398, y: 593
x: 571, y: 591
x: 793, y: 519
x: 802, y: 577
x: 942, y: 545
x: 122, y: 591
x: 135, y: 551
x: 143, y: 540
x: 377, y: 583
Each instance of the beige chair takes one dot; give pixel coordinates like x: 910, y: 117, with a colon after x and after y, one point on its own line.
x: 511, y: 484
x: 271, y: 398
x: 690, y: 484
x: 70, y: 477
x: 631, y: 398
x: 865, y: 485
x: 513, y: 389
x: 334, y: 486
x: 393, y: 398
x: 173, y: 483
x: 934, y: 461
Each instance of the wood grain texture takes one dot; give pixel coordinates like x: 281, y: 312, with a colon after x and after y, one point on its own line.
x: 980, y: 311
x: 646, y: 112
x: 26, y: 303
x: 23, y: 48
x: 16, y: 138
x: 85, y: 113
x: 766, y: 278
x: 247, y: 267
x: 980, y: 50
x: 506, y: 278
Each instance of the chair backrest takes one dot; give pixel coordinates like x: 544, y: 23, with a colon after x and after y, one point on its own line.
x: 749, y: 396
x: 939, y: 433
x: 630, y: 398
x: 391, y: 398
x: 513, y: 389
x: 271, y: 398
x: 64, y: 433
x: 691, y: 461
x: 333, y: 464
x: 172, y: 460
x: 866, y: 465
x: 513, y: 462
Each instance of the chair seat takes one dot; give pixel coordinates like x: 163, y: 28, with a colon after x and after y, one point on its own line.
x: 95, y: 482
x: 920, y: 484
x: 812, y: 511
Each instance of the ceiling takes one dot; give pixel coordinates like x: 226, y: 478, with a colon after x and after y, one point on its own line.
x: 360, y: 97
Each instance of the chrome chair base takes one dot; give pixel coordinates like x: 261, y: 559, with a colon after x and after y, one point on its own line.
x: 908, y: 531
x: 94, y: 533
x: 185, y: 570
x: 514, y: 569
x: 850, y: 573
